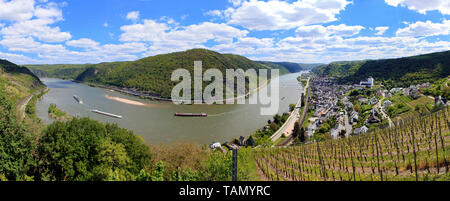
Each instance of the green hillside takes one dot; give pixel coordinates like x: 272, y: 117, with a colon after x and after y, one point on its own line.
x: 393, y: 72
x: 152, y: 74
x: 341, y: 68
x: 17, y: 82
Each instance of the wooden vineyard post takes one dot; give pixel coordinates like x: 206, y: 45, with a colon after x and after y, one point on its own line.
x: 235, y: 163
x: 378, y: 160
x: 414, y: 152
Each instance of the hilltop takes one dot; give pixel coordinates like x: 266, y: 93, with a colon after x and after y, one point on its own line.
x: 394, y: 72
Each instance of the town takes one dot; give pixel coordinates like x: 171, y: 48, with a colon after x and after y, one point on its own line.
x: 343, y: 110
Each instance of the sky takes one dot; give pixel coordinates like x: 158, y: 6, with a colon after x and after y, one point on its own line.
x: 303, y: 31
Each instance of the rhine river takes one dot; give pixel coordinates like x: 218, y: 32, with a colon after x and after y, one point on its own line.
x: 155, y: 120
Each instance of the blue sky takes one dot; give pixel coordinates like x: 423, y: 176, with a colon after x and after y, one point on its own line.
x: 307, y: 31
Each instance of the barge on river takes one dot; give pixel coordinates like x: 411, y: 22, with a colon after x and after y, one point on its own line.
x: 191, y: 114
x: 78, y: 99
x: 107, y: 114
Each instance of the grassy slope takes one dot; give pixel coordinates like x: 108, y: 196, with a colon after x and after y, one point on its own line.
x: 17, y: 82
x: 394, y: 72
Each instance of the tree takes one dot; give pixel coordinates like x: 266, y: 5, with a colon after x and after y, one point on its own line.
x: 302, y: 136
x: 276, y: 119
x: 273, y: 126
x: 158, y: 173
x: 16, y: 145
x: 86, y: 150
x: 296, y: 131
x: 303, y: 100
x: 291, y: 107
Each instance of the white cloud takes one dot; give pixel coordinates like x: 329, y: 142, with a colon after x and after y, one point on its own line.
x: 235, y: 2
x: 83, y: 43
x: 166, y: 37
x: 427, y: 28
x: 319, y: 31
x: 344, y: 30
x: 38, y: 24
x: 205, y: 31
x: 246, y: 46
x: 134, y: 15
x: 214, y: 13
x: 22, y: 44
x: 422, y: 6
x: 38, y: 28
x: 49, y: 11
x: 148, y: 31
x: 17, y: 58
x: 127, y: 48
x: 16, y: 9
x: 381, y: 30
x: 311, y: 31
x: 277, y: 15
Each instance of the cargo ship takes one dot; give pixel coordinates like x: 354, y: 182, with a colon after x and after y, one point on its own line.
x: 107, y: 114
x: 191, y: 114
x: 78, y: 99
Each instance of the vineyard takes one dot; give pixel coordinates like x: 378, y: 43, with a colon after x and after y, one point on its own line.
x: 416, y: 149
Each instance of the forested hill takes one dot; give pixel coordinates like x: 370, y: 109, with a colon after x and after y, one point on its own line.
x: 8, y: 67
x: 291, y: 67
x: 152, y: 74
x: 17, y: 82
x: 395, y: 72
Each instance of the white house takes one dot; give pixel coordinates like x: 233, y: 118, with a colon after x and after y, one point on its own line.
x: 215, y: 145
x: 387, y: 103
x: 368, y: 83
x: 373, y: 100
x: 361, y: 130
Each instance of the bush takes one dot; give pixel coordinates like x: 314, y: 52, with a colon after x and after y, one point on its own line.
x: 86, y: 150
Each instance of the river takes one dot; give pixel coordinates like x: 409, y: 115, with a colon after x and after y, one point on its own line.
x: 155, y: 120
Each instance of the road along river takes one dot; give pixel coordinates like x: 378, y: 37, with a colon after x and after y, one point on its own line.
x: 155, y: 120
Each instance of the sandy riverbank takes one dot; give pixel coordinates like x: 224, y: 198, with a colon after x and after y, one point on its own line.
x: 132, y: 102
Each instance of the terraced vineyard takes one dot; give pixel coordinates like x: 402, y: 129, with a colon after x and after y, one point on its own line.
x: 415, y: 149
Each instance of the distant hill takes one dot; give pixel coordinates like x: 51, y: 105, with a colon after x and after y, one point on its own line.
x: 17, y: 82
x: 289, y: 66
x: 63, y: 71
x: 393, y: 72
x: 152, y: 74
